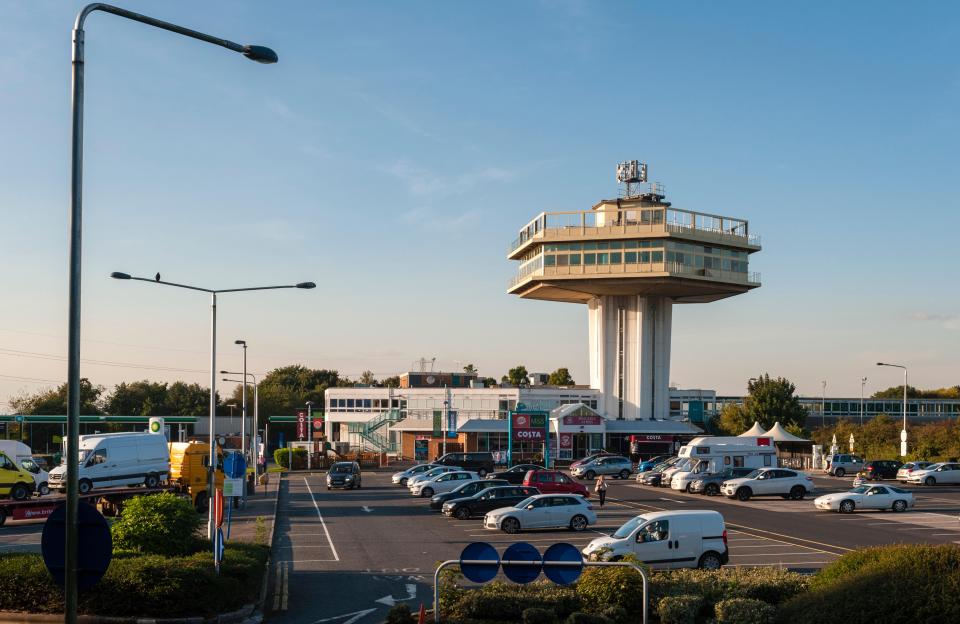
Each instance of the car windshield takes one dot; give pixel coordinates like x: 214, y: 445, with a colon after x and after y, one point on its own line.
x: 341, y: 468
x: 933, y: 466
x: 421, y: 468
x: 524, y: 502
x: 753, y: 474
x: 434, y: 472
x: 30, y: 466
x: 859, y: 490
x: 628, y: 527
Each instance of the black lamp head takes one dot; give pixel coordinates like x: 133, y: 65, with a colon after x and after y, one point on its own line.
x: 119, y: 275
x: 306, y: 285
x: 260, y: 54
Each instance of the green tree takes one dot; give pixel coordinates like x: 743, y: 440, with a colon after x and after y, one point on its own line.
x: 367, y: 378
x: 489, y: 382
x: 287, y: 389
x: 560, y: 377
x: 469, y: 368
x: 773, y: 400
x: 391, y: 382
x: 185, y: 399
x: 138, y: 398
x: 516, y: 376
x: 733, y: 419
x: 54, y: 402
x: 896, y: 392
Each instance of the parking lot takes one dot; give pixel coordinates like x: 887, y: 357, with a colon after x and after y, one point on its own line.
x: 362, y: 550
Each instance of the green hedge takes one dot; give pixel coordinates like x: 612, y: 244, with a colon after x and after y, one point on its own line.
x: 905, y: 583
x: 282, y: 457
x: 679, y: 609
x: 160, y: 524
x: 142, y: 585
x: 744, y: 611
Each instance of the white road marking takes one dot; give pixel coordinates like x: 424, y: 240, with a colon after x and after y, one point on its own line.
x: 357, y: 615
x: 322, y: 523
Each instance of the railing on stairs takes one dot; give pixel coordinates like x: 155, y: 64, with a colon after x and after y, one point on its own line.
x: 370, y: 432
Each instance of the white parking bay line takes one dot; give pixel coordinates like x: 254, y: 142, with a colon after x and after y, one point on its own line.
x: 322, y: 523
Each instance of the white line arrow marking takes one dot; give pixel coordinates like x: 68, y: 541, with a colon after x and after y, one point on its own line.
x: 356, y: 615
x: 366, y: 509
x: 390, y: 600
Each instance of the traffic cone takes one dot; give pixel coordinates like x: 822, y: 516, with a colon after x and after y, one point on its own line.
x: 422, y: 616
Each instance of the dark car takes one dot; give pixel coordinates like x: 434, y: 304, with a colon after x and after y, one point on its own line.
x: 488, y: 500
x: 515, y: 475
x: 480, y: 463
x: 344, y: 475
x: 464, y: 491
x: 881, y: 469
x: 709, y: 484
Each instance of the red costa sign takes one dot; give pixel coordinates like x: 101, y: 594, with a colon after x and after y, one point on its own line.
x: 301, y: 425
x: 654, y: 437
x: 528, y: 435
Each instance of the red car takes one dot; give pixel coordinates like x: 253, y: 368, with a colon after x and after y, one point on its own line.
x: 554, y: 482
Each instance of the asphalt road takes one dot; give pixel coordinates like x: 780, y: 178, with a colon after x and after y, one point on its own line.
x: 346, y: 556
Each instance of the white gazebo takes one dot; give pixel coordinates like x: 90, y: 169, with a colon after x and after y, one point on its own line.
x: 756, y: 431
x: 793, y: 450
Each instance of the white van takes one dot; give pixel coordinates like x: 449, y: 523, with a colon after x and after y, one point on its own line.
x: 116, y: 459
x: 666, y: 540
x: 710, y: 455
x: 21, y: 453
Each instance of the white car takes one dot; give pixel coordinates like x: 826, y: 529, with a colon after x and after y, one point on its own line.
x: 446, y: 482
x: 866, y: 497
x: 909, y: 468
x: 769, y: 482
x: 944, y: 472
x: 400, y: 478
x: 429, y: 474
x: 543, y: 511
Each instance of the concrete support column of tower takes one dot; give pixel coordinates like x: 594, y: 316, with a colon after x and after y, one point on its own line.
x: 630, y: 354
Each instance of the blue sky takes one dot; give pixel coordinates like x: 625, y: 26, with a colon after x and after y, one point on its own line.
x: 396, y: 149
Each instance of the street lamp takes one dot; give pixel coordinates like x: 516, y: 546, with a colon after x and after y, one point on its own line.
x: 259, y: 54
x: 232, y: 406
x: 213, y: 365
x: 903, y: 433
x: 863, y: 382
x: 243, y: 411
x: 823, y: 403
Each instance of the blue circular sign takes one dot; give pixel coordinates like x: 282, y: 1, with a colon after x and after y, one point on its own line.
x: 521, y: 563
x: 94, y: 545
x: 566, y: 553
x: 479, y: 572
x: 234, y: 467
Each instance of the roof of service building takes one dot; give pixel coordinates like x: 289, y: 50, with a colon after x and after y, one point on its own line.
x: 651, y: 426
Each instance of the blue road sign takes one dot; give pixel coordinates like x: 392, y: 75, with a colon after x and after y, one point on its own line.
x: 523, y: 554
x: 562, y: 575
x: 94, y: 547
x: 234, y: 467
x: 479, y: 572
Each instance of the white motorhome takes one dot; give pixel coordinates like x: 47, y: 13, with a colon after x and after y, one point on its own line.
x: 21, y: 453
x: 709, y: 455
x: 117, y: 459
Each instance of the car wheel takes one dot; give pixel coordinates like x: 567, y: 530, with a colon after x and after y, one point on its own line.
x: 840, y: 472
x: 797, y: 492
x: 589, y: 475
x: 462, y: 513
x: 899, y: 505
x: 929, y: 481
x: 481, y: 473
x: 426, y: 492
x: 151, y: 481
x: 328, y: 488
x: 403, y: 482
x: 710, y: 561
x: 744, y: 494
x: 624, y: 474
x: 85, y: 486
x: 712, y: 489
x: 44, y: 489
x: 19, y: 492
x: 510, y: 525
x: 847, y: 506
x: 578, y: 523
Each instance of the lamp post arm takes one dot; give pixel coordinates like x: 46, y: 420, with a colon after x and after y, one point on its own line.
x: 155, y: 281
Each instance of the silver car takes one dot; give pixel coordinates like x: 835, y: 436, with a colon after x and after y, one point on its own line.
x: 611, y: 465
x: 840, y: 464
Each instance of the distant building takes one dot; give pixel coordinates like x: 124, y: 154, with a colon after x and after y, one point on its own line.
x: 437, y: 380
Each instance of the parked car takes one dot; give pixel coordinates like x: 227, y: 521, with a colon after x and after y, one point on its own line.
x: 907, y: 469
x: 767, y: 482
x: 866, y: 497
x: 612, y: 465
x: 659, y: 468
x: 684, y: 465
x: 442, y: 483
x: 516, y: 474
x: 667, y: 539
x: 709, y: 484
x: 464, y: 491
x: 648, y: 464
x: 879, y: 469
x: 936, y: 474
x: 429, y: 474
x: 117, y: 459
x: 487, y: 500
x: 840, y: 464
x: 400, y: 478
x: 554, y: 482
x: 543, y: 511
x: 590, y: 458
x: 480, y: 463
x: 344, y: 475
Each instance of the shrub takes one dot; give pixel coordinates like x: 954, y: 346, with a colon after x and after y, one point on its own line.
x: 25, y: 585
x: 578, y: 617
x: 617, y: 614
x: 679, y: 609
x: 505, y: 602
x: 905, y: 583
x: 282, y: 457
x: 770, y: 585
x: 400, y: 614
x: 611, y: 587
x: 157, y: 524
x: 744, y: 611
x: 536, y: 615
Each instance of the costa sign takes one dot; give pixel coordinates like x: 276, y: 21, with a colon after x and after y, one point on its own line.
x: 527, y: 427
x: 528, y: 435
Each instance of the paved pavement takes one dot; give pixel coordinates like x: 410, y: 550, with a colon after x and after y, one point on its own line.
x: 346, y: 556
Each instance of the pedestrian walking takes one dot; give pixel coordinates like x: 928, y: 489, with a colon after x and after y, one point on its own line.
x: 600, y: 487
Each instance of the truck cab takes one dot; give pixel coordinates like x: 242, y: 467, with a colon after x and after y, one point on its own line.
x: 189, y: 470
x: 15, y: 482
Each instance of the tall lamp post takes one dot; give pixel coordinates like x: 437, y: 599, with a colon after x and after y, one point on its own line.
x: 823, y: 403
x: 243, y: 411
x: 863, y: 382
x: 213, y: 364
x: 903, y: 433
x: 254, y: 53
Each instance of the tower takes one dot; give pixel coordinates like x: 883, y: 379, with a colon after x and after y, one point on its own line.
x: 630, y: 260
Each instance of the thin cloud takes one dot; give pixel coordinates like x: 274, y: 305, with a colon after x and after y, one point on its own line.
x: 423, y: 182
x: 949, y: 321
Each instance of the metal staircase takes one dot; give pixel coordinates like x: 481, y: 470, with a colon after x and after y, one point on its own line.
x: 373, y: 432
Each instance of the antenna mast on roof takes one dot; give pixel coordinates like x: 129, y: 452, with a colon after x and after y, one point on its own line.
x: 422, y: 362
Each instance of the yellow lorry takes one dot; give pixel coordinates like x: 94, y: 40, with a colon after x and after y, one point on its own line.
x: 15, y: 482
x: 189, y: 464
